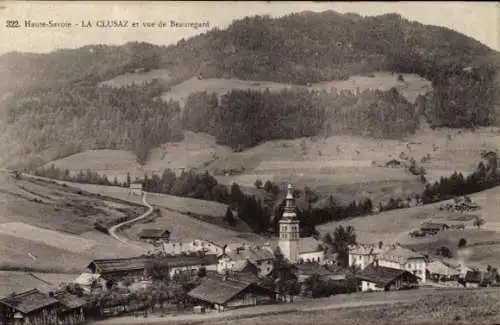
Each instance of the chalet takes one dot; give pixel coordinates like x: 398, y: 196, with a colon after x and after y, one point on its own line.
x: 136, y: 188
x: 438, y: 271
x: 119, y: 268
x: 380, y: 278
x: 71, y: 310
x: 260, y: 257
x: 223, y: 293
x: 29, y: 307
x: 154, y: 234
x: 477, y: 278
x: 363, y: 255
x: 433, y: 227
x: 402, y: 258
x: 134, y: 267
x: 304, y: 271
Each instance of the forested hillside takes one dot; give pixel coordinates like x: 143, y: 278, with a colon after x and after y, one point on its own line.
x: 51, y: 107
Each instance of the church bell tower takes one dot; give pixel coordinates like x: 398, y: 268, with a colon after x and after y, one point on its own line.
x: 289, y: 229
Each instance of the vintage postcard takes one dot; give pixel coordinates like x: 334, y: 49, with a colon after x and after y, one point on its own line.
x: 250, y: 162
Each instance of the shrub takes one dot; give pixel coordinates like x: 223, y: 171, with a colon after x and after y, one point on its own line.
x: 462, y: 242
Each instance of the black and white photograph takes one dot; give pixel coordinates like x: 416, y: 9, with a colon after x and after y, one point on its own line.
x: 249, y: 163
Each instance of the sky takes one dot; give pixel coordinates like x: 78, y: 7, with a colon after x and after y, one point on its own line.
x: 480, y: 21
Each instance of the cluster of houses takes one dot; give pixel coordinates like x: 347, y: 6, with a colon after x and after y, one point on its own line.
x: 36, y: 307
x: 233, y: 270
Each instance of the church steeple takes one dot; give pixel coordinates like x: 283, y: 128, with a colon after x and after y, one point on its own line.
x: 289, y: 212
x: 289, y: 229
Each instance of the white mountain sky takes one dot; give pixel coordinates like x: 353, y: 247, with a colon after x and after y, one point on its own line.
x: 479, y: 20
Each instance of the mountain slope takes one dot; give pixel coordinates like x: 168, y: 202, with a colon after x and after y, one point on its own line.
x: 52, y: 105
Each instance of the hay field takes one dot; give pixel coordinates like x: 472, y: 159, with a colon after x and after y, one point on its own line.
x: 13, y: 281
x: 47, y: 237
x: 138, y: 78
x: 175, y: 203
x: 195, y: 151
x: 185, y: 228
x: 410, y: 88
x: 462, y: 306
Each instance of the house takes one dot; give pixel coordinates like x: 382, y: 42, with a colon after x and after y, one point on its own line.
x: 304, y: 271
x: 223, y: 293
x: 363, y: 255
x: 438, y: 271
x: 260, y: 257
x: 71, y: 310
x: 433, y: 227
x: 190, y: 264
x: 136, y: 188
x: 29, y: 307
x: 380, y: 278
x: 399, y: 257
x: 198, y: 245
x: 134, y: 267
x: 155, y: 235
x: 477, y: 278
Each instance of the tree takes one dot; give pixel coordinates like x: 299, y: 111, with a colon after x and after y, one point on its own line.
x: 342, y: 238
x: 129, y: 180
x: 157, y: 269
x: 229, y: 217
x: 462, y: 242
x: 258, y: 183
x: 202, y: 272
x: 478, y: 222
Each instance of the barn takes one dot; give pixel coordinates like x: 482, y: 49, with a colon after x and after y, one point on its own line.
x: 154, y: 234
x: 225, y: 293
x: 29, y: 307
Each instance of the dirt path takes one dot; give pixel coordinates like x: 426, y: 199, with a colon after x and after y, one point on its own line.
x: 113, y: 230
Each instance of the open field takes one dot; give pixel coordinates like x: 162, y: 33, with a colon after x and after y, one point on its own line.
x: 55, y: 224
x: 138, y: 78
x: 195, y: 151
x: 423, y: 306
x: 337, y: 165
x: 441, y: 307
x: 14, y: 281
x: 175, y: 203
x: 183, y: 227
x: 410, y: 88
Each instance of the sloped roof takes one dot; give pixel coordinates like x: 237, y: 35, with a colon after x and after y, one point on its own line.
x: 245, y: 266
x: 400, y: 254
x: 86, y: 279
x: 370, y: 249
x: 69, y: 301
x: 433, y: 225
x: 308, y: 245
x: 153, y: 233
x: 252, y: 254
x: 139, y: 263
x: 381, y: 275
x: 438, y: 267
x: 29, y: 301
x: 218, y: 291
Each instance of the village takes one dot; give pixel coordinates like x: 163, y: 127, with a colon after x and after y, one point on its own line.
x: 201, y: 276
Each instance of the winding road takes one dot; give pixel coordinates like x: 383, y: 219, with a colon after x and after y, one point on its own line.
x: 113, y: 230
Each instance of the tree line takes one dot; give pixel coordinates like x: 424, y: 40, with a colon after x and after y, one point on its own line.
x: 245, y: 118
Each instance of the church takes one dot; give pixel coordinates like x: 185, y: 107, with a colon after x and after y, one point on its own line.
x: 296, y: 249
